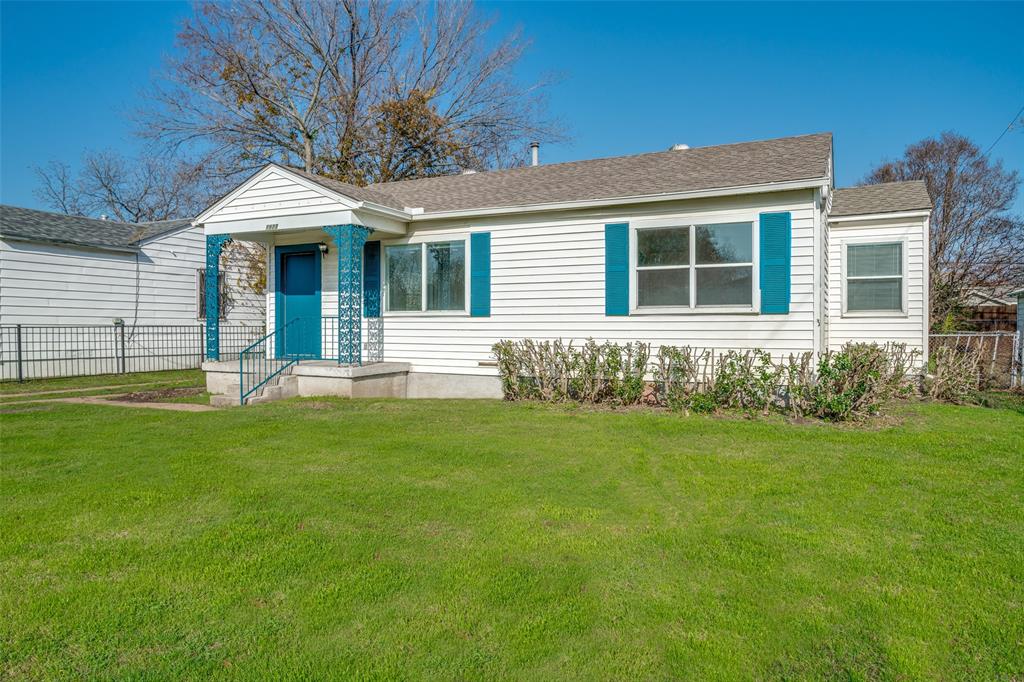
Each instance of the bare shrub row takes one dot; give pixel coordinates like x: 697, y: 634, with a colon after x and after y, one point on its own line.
x: 853, y: 382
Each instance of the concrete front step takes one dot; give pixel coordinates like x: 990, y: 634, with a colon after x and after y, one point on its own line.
x: 223, y: 400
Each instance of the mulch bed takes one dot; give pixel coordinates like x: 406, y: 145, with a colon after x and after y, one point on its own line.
x: 160, y: 394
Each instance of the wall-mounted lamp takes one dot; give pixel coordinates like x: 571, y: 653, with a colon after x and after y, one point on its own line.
x: 323, y: 248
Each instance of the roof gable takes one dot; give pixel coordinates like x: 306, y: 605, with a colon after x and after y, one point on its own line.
x: 275, y: 190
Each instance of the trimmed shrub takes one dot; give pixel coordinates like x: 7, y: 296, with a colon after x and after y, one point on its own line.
x: 555, y: 371
x: 956, y: 374
x: 850, y: 383
x: 678, y: 375
x: 748, y: 381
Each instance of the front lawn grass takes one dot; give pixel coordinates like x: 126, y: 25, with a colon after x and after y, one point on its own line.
x: 174, y: 377
x: 476, y: 539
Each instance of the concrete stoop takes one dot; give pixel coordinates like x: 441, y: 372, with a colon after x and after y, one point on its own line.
x: 326, y: 378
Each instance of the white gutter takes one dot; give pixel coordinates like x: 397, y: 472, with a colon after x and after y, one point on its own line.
x: 621, y: 201
x: 882, y: 215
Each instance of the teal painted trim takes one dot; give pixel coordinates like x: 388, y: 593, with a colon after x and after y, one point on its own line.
x: 214, y: 245
x: 480, y: 275
x: 348, y: 243
x: 775, y: 251
x: 371, y: 279
x: 616, y: 269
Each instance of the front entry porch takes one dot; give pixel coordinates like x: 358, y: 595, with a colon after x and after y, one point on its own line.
x: 323, y: 306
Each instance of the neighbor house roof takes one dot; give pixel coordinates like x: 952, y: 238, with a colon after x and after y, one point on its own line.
x: 889, y: 197
x: 725, y: 166
x: 58, y: 228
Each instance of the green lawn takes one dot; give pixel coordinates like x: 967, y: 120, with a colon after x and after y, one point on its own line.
x: 175, y: 377
x: 443, y: 539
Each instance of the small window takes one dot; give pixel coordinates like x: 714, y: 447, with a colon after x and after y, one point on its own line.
x: 696, y: 266
x: 426, y: 277
x: 874, y: 277
x: 201, y: 294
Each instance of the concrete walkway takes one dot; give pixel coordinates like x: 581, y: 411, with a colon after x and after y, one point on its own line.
x: 109, y: 400
x: 56, y: 391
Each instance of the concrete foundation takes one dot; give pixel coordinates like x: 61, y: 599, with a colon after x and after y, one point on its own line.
x: 376, y: 380
x: 431, y: 385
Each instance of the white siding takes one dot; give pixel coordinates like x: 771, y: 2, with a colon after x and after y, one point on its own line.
x: 48, y: 284
x: 547, y: 282
x: 910, y: 328
x: 271, y: 194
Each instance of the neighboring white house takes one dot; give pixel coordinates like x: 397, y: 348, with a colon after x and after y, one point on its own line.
x: 60, y: 270
x: 735, y: 246
x: 57, y: 269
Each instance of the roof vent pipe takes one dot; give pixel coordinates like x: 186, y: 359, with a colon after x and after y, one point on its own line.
x: 535, y: 153
x: 103, y: 216
x: 678, y: 147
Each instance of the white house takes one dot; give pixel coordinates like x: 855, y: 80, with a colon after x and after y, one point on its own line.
x: 58, y: 270
x: 401, y: 288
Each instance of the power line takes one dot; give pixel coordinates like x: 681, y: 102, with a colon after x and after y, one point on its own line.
x: 1005, y: 130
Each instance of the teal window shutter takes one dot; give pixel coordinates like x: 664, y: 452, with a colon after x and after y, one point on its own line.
x: 480, y: 274
x: 371, y: 279
x: 616, y: 269
x: 776, y: 246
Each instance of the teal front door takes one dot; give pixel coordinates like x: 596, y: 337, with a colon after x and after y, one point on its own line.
x: 298, y: 301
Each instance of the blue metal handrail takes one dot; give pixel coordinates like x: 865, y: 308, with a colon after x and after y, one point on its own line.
x: 257, y: 365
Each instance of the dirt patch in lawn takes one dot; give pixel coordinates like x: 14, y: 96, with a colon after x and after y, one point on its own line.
x: 160, y: 394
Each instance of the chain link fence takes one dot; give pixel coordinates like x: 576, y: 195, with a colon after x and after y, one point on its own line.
x: 1002, y: 353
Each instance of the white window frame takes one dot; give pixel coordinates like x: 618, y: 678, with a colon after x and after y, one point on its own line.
x: 844, y: 274
x: 692, y: 222
x: 423, y: 241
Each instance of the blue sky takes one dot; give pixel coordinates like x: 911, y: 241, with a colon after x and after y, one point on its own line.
x: 634, y: 77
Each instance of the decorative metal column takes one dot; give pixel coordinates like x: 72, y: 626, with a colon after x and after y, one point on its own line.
x: 348, y: 241
x: 214, y: 244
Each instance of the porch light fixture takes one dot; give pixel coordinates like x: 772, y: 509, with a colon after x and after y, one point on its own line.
x: 323, y: 248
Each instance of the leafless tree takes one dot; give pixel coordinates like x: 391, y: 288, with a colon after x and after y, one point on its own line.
x: 129, y: 191
x: 361, y: 90
x: 975, y: 239
x: 148, y: 190
x: 58, y: 188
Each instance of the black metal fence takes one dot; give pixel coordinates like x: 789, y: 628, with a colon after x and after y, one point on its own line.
x: 44, y: 351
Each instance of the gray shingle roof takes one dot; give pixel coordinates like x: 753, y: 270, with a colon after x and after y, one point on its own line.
x: 701, y: 168
x: 889, y: 197
x: 57, y: 228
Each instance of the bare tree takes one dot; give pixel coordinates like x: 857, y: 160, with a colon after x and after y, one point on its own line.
x: 361, y: 90
x: 58, y: 188
x: 975, y: 240
x: 129, y: 191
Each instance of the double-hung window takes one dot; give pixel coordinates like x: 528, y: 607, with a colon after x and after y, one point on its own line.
x: 425, y: 277
x: 874, y: 278
x: 695, y: 266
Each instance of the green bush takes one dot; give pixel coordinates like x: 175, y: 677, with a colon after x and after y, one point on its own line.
x: 850, y: 383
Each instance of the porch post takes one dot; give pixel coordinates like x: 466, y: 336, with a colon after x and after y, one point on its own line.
x: 348, y: 242
x: 214, y: 245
